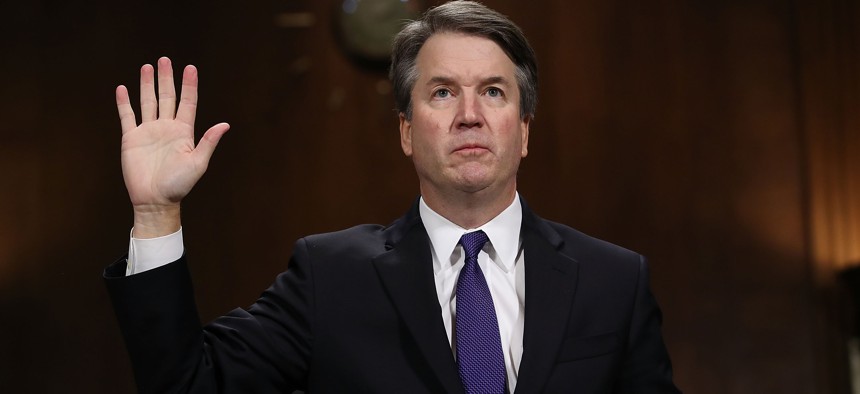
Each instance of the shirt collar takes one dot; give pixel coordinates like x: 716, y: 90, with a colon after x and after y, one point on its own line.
x: 503, y: 231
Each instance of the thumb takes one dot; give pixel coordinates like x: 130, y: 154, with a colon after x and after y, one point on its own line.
x: 206, y: 147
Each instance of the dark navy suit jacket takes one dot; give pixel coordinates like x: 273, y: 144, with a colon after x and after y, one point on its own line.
x: 357, y: 312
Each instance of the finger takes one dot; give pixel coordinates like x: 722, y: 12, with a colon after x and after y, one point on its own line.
x: 188, y: 97
x: 210, y: 139
x: 126, y: 113
x: 166, y: 90
x: 148, y: 105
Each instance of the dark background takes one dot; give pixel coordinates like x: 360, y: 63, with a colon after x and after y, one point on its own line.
x: 719, y: 138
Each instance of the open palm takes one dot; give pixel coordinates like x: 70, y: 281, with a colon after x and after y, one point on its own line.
x: 160, y: 162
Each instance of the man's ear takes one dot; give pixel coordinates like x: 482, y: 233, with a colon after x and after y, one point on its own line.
x: 524, y: 129
x: 405, y: 135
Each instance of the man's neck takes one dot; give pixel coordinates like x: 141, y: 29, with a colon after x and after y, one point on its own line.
x: 470, y: 209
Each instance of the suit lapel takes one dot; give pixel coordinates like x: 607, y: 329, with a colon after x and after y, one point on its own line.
x: 550, y: 286
x: 406, y: 271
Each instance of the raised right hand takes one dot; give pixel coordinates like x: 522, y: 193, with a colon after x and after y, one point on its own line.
x: 160, y: 162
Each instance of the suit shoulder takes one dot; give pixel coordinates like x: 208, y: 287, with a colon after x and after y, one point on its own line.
x: 361, y: 238
x: 580, y: 245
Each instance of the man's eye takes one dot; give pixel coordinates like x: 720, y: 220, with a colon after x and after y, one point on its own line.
x: 494, y: 92
x: 442, y: 93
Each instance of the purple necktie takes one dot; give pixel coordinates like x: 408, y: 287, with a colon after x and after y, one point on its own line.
x: 479, y: 349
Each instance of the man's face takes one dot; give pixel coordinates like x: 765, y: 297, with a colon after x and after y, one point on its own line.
x: 466, y: 134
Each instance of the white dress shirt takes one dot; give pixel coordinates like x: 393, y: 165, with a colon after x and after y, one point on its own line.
x: 146, y: 254
x: 501, y: 261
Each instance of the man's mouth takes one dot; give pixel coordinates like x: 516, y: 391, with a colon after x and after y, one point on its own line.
x: 470, y: 149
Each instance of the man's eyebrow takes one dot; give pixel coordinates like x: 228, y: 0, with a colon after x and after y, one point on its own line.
x: 440, y: 80
x: 494, y: 80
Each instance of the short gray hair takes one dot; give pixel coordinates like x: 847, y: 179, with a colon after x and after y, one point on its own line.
x: 471, y: 18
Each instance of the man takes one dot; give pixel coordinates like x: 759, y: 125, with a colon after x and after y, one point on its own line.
x: 468, y: 292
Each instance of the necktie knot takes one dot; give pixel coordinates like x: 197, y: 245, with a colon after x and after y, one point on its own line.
x: 473, y: 243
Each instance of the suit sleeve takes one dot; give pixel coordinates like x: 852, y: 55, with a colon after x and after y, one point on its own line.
x: 647, y: 368
x: 265, y: 348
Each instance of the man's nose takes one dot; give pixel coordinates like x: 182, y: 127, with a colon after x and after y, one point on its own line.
x: 470, y: 113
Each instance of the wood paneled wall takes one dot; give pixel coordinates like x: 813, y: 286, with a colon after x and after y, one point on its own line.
x: 686, y: 130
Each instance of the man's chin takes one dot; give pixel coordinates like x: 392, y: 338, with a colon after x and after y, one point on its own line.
x: 473, y: 184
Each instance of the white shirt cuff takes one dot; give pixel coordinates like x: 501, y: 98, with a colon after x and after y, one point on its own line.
x: 146, y: 254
